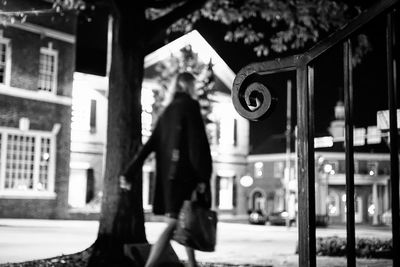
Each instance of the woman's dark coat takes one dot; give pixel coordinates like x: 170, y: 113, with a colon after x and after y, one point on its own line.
x: 183, y: 157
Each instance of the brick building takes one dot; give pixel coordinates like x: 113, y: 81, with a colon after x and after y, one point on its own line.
x: 37, y: 61
x: 275, y: 189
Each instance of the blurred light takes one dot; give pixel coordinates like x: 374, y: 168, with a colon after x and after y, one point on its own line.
x: 285, y: 214
x: 344, y: 198
x: 332, y: 210
x: 258, y: 169
x: 371, y: 209
x: 332, y: 172
x: 39, y: 186
x: 328, y: 168
x: 258, y: 165
x: 371, y: 172
x: 46, y: 156
x: 246, y: 181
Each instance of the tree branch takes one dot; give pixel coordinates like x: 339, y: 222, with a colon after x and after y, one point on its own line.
x: 157, y: 27
x: 177, y: 13
x: 160, y: 4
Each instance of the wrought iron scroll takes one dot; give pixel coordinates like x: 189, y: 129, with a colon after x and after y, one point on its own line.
x: 252, y: 98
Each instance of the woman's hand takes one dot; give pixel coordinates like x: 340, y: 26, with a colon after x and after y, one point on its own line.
x: 124, y: 184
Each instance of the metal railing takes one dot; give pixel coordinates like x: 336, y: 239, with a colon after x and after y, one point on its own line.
x: 253, y: 100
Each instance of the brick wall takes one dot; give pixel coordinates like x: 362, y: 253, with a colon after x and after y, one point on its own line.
x: 42, y: 116
x: 25, y: 60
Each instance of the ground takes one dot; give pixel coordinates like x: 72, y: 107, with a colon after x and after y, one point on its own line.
x: 238, y: 244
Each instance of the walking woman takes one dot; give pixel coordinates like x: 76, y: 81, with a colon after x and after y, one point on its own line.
x: 183, y: 161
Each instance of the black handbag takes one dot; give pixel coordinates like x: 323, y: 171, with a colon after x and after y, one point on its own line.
x: 197, y: 226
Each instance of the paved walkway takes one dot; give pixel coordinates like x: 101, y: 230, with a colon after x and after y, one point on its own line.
x: 237, y: 243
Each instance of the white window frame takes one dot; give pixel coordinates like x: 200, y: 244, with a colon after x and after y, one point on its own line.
x: 33, y: 193
x: 50, y: 52
x: 7, y: 73
x: 226, y: 202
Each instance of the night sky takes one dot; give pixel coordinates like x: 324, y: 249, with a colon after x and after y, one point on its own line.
x: 370, y: 93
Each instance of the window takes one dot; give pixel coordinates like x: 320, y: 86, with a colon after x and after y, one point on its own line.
x: 26, y: 161
x: 5, y: 60
x: 334, y: 167
x: 225, y: 192
x: 84, y: 117
x: 48, y: 69
x: 257, y: 200
x: 93, y: 117
x: 333, y: 204
x: 278, y: 169
x: 372, y: 168
x: 228, y: 131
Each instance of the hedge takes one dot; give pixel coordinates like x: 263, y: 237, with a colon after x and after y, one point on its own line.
x: 365, y: 247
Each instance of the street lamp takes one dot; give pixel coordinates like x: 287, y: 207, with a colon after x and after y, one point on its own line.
x: 246, y: 181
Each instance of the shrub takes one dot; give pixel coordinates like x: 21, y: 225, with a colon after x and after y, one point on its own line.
x: 365, y: 247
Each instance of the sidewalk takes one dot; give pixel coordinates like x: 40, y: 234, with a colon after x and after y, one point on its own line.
x: 239, y: 244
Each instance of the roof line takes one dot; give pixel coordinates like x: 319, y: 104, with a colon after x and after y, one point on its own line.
x: 202, y: 48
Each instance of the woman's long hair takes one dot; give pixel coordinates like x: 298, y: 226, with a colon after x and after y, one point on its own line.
x: 179, y: 84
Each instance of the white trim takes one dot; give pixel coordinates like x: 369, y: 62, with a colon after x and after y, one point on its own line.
x: 326, y: 155
x: 226, y: 173
x: 200, y: 46
x: 35, y: 95
x: 56, y: 128
x: 66, y: 37
x: 7, y: 73
x: 36, y: 164
x: 3, y: 155
x: 11, y: 194
x: 269, y: 157
x: 52, y: 163
x: 258, y: 189
x: 10, y: 130
x: 357, y: 155
x: 340, y: 179
x: 79, y: 165
x: 34, y: 193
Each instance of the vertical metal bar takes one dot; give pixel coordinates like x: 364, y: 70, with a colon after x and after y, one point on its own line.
x: 349, y: 125
x: 306, y: 175
x: 288, y: 145
x: 394, y: 156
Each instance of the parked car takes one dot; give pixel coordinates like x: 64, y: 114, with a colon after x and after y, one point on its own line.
x: 257, y: 217
x: 279, y: 218
x: 387, y: 217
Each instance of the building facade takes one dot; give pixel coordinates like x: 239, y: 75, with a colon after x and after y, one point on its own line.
x: 37, y: 61
x: 228, y: 134
x: 88, y: 142
x: 275, y: 176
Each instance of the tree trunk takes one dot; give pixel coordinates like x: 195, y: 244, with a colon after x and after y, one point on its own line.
x: 122, y: 217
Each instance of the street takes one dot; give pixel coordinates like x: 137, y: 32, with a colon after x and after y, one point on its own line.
x: 23, y: 240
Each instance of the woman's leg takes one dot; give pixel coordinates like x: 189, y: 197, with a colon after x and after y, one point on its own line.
x: 191, y: 257
x: 159, y: 247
